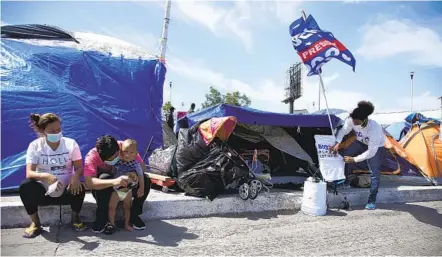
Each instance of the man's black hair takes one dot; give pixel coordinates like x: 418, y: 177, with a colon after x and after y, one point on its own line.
x: 107, y: 146
x: 192, y: 106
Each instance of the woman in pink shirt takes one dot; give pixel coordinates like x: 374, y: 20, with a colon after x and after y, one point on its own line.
x: 98, y: 176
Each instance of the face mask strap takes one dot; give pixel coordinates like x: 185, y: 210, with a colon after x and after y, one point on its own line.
x: 364, y: 124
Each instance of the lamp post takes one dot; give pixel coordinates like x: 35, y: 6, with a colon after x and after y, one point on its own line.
x: 412, y: 89
x: 164, y: 33
x: 170, y: 92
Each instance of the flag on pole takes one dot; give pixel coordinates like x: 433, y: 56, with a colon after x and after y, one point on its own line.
x: 316, y: 47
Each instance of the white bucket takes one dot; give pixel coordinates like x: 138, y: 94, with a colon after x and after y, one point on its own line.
x: 314, y: 198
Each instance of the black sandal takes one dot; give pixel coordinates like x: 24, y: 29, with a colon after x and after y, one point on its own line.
x: 109, y: 229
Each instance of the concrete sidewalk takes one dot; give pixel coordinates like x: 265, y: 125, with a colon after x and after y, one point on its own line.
x: 412, y: 229
x: 161, y: 205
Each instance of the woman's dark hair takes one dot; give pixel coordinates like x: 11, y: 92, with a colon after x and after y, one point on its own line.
x: 107, y: 146
x: 40, y: 122
x: 364, y: 109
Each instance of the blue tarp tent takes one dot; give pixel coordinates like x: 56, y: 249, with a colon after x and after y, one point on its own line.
x: 92, y: 91
x: 251, y: 116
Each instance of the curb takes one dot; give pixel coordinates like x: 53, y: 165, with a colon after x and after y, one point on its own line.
x: 173, y: 206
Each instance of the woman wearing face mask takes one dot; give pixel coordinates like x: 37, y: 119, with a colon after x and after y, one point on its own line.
x: 370, y: 133
x: 53, y: 170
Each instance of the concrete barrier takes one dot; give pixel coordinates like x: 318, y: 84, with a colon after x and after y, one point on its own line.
x: 173, y: 205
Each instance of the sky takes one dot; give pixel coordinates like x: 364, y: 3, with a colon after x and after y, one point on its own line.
x: 246, y: 46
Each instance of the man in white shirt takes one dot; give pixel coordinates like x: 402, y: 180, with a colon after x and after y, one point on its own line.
x: 370, y: 133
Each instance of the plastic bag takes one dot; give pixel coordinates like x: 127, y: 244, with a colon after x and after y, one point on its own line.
x: 331, y: 165
x: 191, y: 149
x: 160, y: 160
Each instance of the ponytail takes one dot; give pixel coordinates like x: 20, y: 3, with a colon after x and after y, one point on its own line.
x: 40, y: 122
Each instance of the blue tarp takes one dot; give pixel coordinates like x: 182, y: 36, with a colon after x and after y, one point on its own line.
x: 398, y: 129
x: 251, y: 116
x: 93, y: 93
x: 417, y: 117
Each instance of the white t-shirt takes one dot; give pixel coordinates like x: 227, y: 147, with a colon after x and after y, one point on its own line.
x: 371, y: 135
x: 57, y: 163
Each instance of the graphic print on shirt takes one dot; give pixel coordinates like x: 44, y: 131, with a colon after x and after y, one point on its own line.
x: 361, y: 138
x: 56, y: 162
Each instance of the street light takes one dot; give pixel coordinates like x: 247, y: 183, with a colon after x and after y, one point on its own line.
x: 411, y: 78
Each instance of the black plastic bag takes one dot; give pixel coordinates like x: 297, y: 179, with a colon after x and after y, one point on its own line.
x: 190, y: 150
x: 210, y: 176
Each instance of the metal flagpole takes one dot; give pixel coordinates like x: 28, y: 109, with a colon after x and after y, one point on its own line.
x: 323, y: 90
x: 319, y: 96
x: 163, y: 45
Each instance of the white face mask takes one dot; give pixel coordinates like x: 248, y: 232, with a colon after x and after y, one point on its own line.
x: 54, y: 138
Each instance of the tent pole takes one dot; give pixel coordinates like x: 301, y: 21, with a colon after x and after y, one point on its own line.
x: 163, y: 46
x: 321, y: 82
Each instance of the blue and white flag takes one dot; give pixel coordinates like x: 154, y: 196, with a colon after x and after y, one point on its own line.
x: 316, y: 47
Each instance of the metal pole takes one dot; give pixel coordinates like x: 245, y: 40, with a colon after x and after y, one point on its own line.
x: 163, y: 46
x: 412, y: 89
x: 319, y: 97
x: 170, y: 92
x: 326, y: 105
x: 323, y: 90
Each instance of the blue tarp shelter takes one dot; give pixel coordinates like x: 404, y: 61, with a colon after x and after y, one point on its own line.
x: 252, y: 116
x: 92, y: 91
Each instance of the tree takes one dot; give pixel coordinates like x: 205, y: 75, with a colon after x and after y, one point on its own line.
x: 166, y: 106
x: 237, y: 99
x: 214, y: 97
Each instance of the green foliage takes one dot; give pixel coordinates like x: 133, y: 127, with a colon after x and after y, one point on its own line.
x: 166, y: 106
x: 214, y: 97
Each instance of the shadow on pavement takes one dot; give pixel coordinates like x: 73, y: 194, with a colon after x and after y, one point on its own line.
x: 337, y: 213
x: 421, y: 213
x: 161, y: 233
x: 254, y: 215
x: 275, y: 214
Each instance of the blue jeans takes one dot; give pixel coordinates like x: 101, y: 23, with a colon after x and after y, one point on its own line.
x: 374, y: 164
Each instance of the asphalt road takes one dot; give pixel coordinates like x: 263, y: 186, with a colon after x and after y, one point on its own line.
x: 399, y: 229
